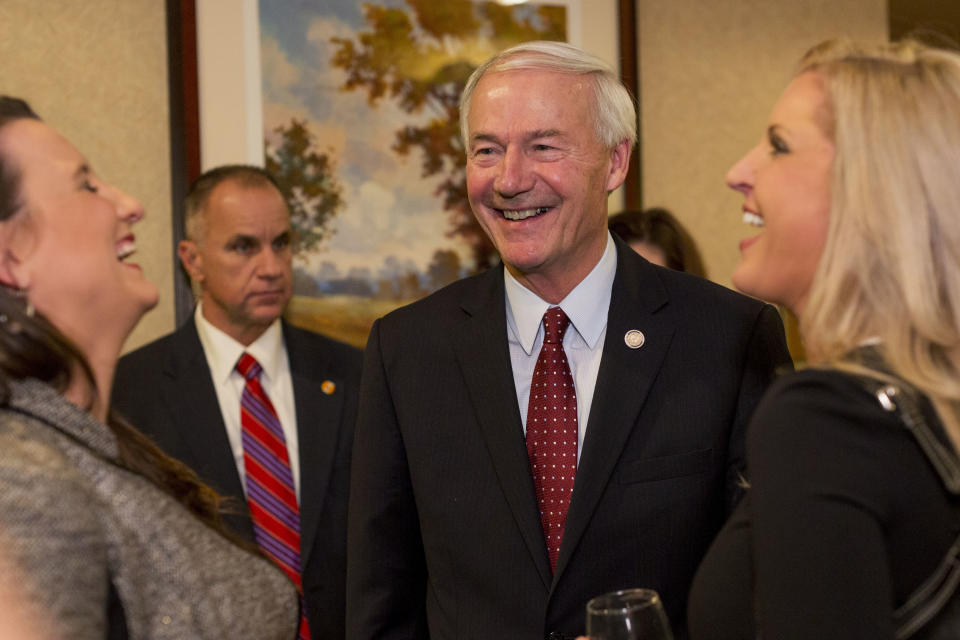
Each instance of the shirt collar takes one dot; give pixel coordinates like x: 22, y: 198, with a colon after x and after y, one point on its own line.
x: 223, y: 351
x: 525, y: 309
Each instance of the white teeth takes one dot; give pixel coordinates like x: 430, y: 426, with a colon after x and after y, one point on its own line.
x: 752, y: 219
x: 125, y: 249
x: 523, y: 214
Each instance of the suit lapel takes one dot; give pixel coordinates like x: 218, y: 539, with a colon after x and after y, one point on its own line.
x: 623, y: 382
x: 318, y: 420
x: 201, y: 435
x: 484, y: 358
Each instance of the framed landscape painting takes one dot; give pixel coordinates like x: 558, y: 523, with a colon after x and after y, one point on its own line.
x: 352, y: 106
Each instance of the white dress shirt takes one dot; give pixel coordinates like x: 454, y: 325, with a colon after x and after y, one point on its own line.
x: 587, y: 307
x: 222, y: 354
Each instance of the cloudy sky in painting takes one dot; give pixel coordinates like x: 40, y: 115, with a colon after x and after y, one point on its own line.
x: 390, y: 209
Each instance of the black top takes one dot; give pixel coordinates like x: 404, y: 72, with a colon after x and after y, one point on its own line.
x: 844, y: 518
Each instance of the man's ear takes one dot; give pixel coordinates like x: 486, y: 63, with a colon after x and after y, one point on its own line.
x: 619, y: 163
x: 191, y: 260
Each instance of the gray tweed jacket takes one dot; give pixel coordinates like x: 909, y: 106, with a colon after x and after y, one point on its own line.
x: 72, y: 522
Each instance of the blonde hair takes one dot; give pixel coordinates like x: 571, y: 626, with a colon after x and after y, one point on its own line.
x: 616, y: 115
x: 890, y: 269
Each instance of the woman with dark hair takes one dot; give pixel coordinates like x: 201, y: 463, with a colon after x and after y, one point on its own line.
x: 659, y: 237
x: 101, y: 534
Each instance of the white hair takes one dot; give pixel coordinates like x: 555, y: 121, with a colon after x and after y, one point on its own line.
x: 616, y: 115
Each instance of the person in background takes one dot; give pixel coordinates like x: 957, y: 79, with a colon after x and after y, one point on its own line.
x: 854, y: 195
x: 482, y: 502
x: 261, y: 409
x: 659, y: 237
x: 101, y: 534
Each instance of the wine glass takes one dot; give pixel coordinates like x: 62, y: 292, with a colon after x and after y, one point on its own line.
x: 632, y: 614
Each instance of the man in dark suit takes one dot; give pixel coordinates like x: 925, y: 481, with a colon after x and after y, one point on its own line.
x: 462, y: 523
x: 185, y: 392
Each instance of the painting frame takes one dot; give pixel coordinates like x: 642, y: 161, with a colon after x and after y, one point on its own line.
x: 194, y: 145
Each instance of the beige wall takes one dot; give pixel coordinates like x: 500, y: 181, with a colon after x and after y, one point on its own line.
x: 710, y: 72
x: 97, y: 71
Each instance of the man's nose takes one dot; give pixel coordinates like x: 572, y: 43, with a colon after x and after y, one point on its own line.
x: 272, y: 263
x: 515, y: 174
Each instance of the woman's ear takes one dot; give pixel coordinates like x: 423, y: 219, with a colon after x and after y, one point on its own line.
x: 12, y: 274
x: 17, y: 240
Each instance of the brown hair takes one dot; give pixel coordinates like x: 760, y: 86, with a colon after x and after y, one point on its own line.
x: 659, y: 227
x: 195, y: 205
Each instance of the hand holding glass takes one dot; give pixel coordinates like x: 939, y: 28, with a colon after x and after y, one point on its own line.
x: 633, y: 614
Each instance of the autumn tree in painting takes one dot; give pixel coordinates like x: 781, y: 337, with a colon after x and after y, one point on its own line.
x: 444, y: 268
x: 308, y: 181
x: 421, y: 59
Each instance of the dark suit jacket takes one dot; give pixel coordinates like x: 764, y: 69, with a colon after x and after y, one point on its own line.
x: 445, y: 536
x: 165, y: 389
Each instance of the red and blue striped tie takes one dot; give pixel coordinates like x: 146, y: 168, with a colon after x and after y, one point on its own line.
x: 270, y: 490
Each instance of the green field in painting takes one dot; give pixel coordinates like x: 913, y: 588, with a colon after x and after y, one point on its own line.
x: 346, y: 318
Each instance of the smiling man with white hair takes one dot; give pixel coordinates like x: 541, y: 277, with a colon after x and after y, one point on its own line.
x: 567, y: 424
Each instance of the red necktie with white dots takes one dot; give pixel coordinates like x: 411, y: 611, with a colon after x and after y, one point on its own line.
x: 552, y: 431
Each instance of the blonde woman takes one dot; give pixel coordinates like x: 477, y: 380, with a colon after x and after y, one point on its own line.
x: 855, y: 193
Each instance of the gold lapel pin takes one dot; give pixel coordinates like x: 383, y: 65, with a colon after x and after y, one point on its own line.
x: 328, y: 387
x: 634, y: 338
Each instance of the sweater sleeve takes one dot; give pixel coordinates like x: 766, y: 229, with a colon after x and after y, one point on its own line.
x: 53, y: 559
